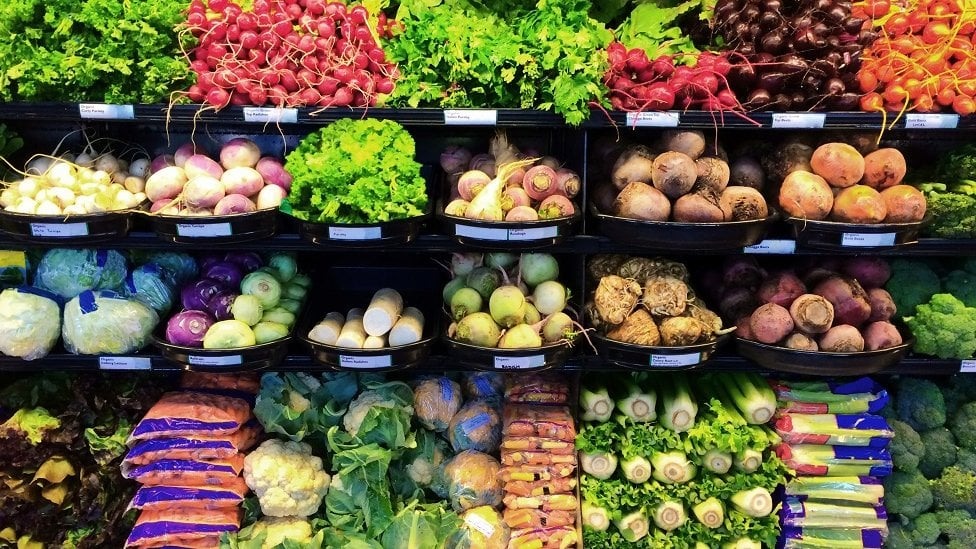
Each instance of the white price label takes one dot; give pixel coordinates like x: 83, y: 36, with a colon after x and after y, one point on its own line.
x: 225, y: 360
x: 269, y: 114
x: 481, y: 233
x: 653, y: 119
x: 124, y: 363
x: 204, y: 230
x: 967, y: 366
x: 931, y: 121
x: 365, y: 362
x: 859, y: 240
x: 533, y: 234
x: 106, y: 112
x: 480, y: 524
x: 470, y: 117
x: 355, y: 233
x: 59, y: 230
x: 675, y: 361
x: 519, y: 362
x: 799, y: 119
x: 772, y: 246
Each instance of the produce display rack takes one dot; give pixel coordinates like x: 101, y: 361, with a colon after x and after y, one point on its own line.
x: 292, y: 123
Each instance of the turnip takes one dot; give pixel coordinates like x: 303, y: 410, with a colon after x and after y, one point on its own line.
x: 184, y: 152
x: 160, y: 162
x: 134, y: 184
x: 522, y: 336
x: 556, y: 206
x: 478, y: 329
x: 166, y: 184
x: 203, y: 191
x: 549, y: 297
x: 234, y: 204
x: 507, y: 306
x: 273, y: 172
x: 242, y: 180
x: 270, y: 196
x: 107, y: 163
x: 47, y: 208
x: 465, y: 301
x: 239, y: 152
x: 536, y: 268
x: 158, y: 205
x: 522, y: 213
x: 471, y: 183
x: 200, y: 164
x: 139, y: 167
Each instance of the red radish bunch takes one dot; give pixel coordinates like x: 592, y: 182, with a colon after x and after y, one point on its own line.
x: 641, y: 84
x: 288, y: 53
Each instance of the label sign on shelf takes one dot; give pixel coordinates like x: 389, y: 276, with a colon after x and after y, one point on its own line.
x: 225, y: 360
x: 855, y: 240
x: 204, y: 230
x: 124, y: 363
x: 470, y: 117
x: 482, y: 233
x: 772, y: 246
x: 103, y: 111
x: 355, y: 233
x: 365, y: 362
x: 519, y: 362
x: 653, y: 119
x: 59, y: 230
x: 675, y: 361
x: 799, y: 119
x: 270, y: 114
x: 931, y: 121
x: 533, y: 234
x: 967, y: 366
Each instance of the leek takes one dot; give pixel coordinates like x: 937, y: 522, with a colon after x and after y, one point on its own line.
x: 596, y: 404
x: 633, y: 526
x: 710, y: 513
x: 633, y: 402
x: 600, y: 465
x: 717, y: 461
x: 756, y: 502
x: 669, y: 515
x: 678, y: 407
x: 752, y: 395
x: 748, y: 460
x: 595, y: 517
x: 672, y: 467
x: 636, y: 469
x: 742, y: 543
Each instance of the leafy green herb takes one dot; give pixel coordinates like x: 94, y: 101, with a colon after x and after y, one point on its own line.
x: 652, y: 27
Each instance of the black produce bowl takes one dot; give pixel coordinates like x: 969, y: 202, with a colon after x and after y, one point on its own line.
x: 508, y: 360
x: 820, y: 363
x: 361, y: 235
x: 373, y: 360
x: 73, y: 229
x: 853, y: 237
x: 642, y: 357
x: 241, y: 359
x: 508, y: 235
x: 215, y: 229
x: 687, y: 237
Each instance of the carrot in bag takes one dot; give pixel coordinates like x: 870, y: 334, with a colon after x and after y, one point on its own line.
x: 185, y: 472
x: 192, y: 413
x: 176, y: 499
x: 163, y: 529
x: 195, y: 447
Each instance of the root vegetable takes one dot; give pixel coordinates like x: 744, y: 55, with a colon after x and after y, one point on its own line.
x: 471, y: 183
x: 700, y: 207
x: 842, y: 338
x: 375, y: 342
x: 859, y: 204
x: 838, y: 163
x: 869, y: 271
x: 234, y: 204
x: 522, y: 336
x: 558, y: 327
x: 273, y: 172
x: 536, y: 268
x: 746, y: 171
x: 549, y: 297
x: 881, y: 335
x: 635, y: 164
x: 203, y: 191
x: 507, y: 306
x: 352, y: 336
x: 882, y: 305
x: 884, y: 168
x: 742, y: 272
x: 791, y: 157
x: 615, y: 298
x: 556, y: 206
x: 713, y: 173
x: 567, y: 182
x: 514, y: 179
x: 513, y: 197
x: 184, y: 152
x: 800, y: 342
x: 478, y: 329
x: 812, y: 314
x: 464, y: 302
x: 806, y: 195
x: 539, y: 182
x: 781, y: 288
x: 738, y: 303
x: 550, y: 162
x: 409, y: 328
x: 743, y: 204
x: 679, y: 331
x: 383, y: 311
x: 239, y: 152
x: 770, y: 323
x: 165, y: 184
x: 850, y: 301
x: 665, y: 296
x: 328, y: 329
x: 455, y: 159
x: 641, y: 201
x: 688, y: 142
x: 200, y: 164
x: 457, y: 208
x: 638, y: 329
x: 270, y: 196
x: 522, y: 213
x: 603, y: 265
x: 604, y: 196
x: 674, y: 174
x: 904, y: 204
x: 743, y: 329
x: 532, y: 315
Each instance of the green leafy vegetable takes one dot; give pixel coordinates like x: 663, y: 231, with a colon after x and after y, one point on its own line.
x: 653, y: 28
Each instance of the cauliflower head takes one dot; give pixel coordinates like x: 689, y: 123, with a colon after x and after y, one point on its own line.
x: 278, y: 529
x: 361, y: 405
x: 288, y: 480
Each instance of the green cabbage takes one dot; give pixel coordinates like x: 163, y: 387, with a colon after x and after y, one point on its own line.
x: 179, y: 266
x: 30, y: 323
x: 97, y: 323
x: 68, y: 273
x: 147, y: 284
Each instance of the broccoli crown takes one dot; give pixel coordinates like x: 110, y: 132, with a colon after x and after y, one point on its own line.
x: 957, y: 164
x: 920, y: 404
x: 944, y: 327
x: 963, y: 426
x: 940, y: 451
x: 966, y: 459
x: 899, y: 537
x: 907, y: 493
x: 959, y: 527
x: 953, y: 215
x: 960, y: 390
x: 912, y: 283
x: 961, y: 284
x: 925, y: 529
x: 906, y: 448
x: 955, y: 490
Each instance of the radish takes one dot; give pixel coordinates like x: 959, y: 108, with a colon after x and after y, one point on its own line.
x: 352, y: 335
x: 408, y: 329
x: 383, y: 311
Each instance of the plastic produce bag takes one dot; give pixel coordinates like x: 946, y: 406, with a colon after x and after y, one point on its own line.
x: 862, y: 395
x: 807, y: 514
x: 481, y: 528
x: 179, y: 267
x: 830, y: 538
x: 867, y: 490
x: 30, y: 322
x: 164, y: 529
x: 836, y: 429
x: 175, y: 499
x: 97, y: 323
x: 488, y: 386
x: 472, y: 480
x: 68, y: 273
x: 435, y: 401
x: 476, y: 426
x: 817, y: 459
x: 187, y: 472
x: 192, y: 414
x: 147, y: 284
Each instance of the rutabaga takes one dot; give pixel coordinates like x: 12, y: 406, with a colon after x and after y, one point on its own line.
x: 408, y: 329
x: 594, y: 517
x: 711, y: 512
x: 600, y: 465
x: 756, y: 502
x: 383, y: 311
x: 352, y: 335
x: 328, y: 329
x: 672, y: 467
x: 669, y: 515
x: 633, y: 526
x: 636, y: 469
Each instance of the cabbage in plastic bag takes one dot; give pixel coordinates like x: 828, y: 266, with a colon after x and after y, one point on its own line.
x: 472, y: 480
x: 67, y: 273
x: 475, y: 427
x: 147, y: 284
x: 179, y: 267
x: 104, y: 322
x: 481, y: 528
x: 435, y: 401
x: 30, y: 322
